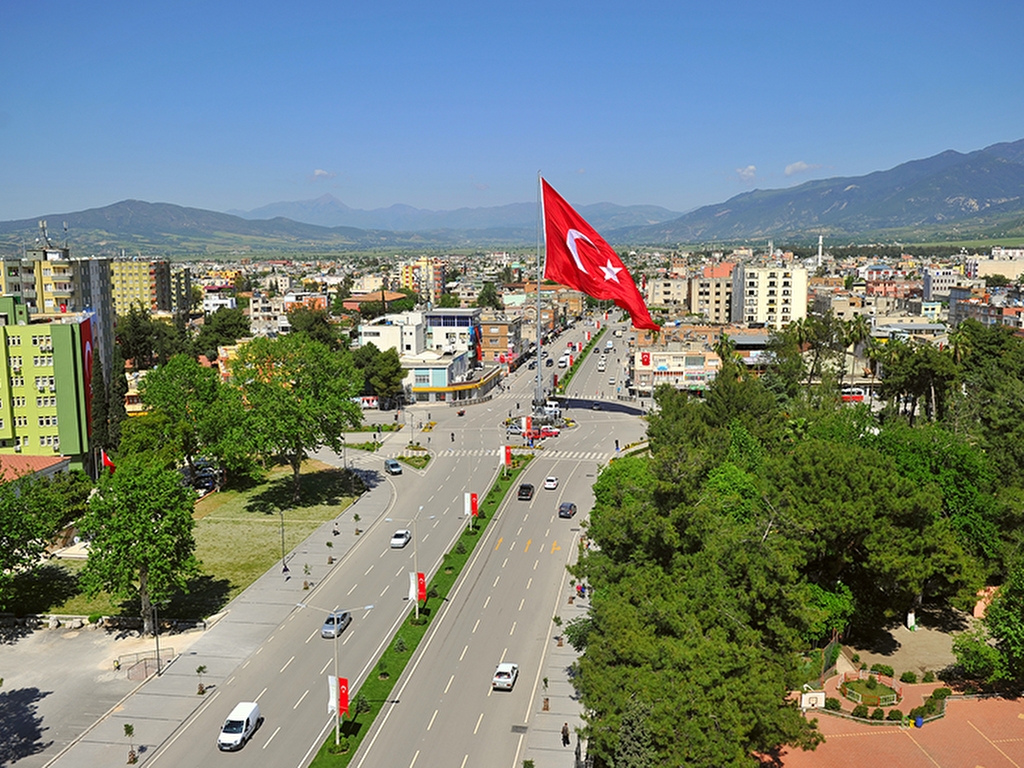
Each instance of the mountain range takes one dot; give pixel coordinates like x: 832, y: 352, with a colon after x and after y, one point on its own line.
x: 948, y: 197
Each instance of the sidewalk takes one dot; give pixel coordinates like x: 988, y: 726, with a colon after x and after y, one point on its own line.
x: 158, y: 706
x: 544, y: 737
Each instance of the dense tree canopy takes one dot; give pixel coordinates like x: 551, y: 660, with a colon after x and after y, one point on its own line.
x: 139, y: 525
x: 299, y: 397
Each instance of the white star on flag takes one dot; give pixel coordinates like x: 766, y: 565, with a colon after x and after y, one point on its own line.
x: 611, y: 272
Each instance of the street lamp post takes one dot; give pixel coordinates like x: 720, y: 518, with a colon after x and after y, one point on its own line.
x: 284, y: 563
x: 415, y: 553
x: 337, y: 708
x: 156, y: 631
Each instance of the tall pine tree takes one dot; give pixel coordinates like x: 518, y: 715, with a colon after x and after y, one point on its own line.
x: 116, y: 414
x: 98, y: 416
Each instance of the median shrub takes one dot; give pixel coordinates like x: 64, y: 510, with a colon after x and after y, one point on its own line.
x: 908, y: 677
x: 861, y: 710
x: 894, y: 714
x: 833, y: 704
x: 882, y: 669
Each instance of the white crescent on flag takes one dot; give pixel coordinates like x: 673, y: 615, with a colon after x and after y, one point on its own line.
x: 570, y: 241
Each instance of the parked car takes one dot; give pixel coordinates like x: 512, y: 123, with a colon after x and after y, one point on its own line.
x: 392, y: 467
x: 505, y: 677
x: 566, y: 509
x: 525, y: 492
x: 549, y: 431
x: 400, y: 539
x: 335, y: 624
x: 551, y: 483
x: 514, y: 429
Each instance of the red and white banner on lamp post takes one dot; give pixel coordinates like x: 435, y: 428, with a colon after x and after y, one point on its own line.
x: 417, y: 587
x: 470, y: 505
x: 337, y: 695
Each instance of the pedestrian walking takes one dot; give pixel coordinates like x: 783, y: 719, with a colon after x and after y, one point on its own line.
x: 565, y: 735
x: 336, y: 531
x: 453, y: 437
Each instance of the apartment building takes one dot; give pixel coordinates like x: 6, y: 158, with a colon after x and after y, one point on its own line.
x: 711, y: 293
x: 501, y: 338
x: 143, y: 283
x: 405, y: 332
x: 45, y: 392
x: 771, y: 296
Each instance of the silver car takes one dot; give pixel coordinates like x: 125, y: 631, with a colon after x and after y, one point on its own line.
x: 335, y: 624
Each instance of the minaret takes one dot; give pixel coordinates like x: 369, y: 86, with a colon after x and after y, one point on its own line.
x: 820, y: 238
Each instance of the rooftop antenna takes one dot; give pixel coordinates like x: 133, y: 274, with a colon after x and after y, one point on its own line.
x: 42, y: 233
x: 65, y: 234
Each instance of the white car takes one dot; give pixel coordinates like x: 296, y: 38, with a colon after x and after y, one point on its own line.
x: 400, y: 539
x: 551, y: 484
x: 505, y: 677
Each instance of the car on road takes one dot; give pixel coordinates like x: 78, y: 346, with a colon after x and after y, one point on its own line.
x: 549, y: 431
x: 595, y: 406
x: 241, y: 724
x: 549, y: 362
x: 335, y: 624
x: 533, y: 365
x: 505, y: 677
x: 525, y: 492
x: 611, y: 382
x: 392, y: 467
x: 551, y: 483
x: 566, y: 509
x: 400, y: 539
x: 514, y: 429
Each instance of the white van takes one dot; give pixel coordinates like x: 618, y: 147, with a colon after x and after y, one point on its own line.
x: 240, y: 726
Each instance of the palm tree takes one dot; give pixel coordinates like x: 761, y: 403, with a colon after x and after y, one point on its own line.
x: 855, y: 332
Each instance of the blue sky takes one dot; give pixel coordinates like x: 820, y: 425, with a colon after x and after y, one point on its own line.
x: 232, y: 105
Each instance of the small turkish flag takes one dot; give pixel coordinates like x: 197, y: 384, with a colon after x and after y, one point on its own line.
x: 579, y: 257
x: 107, y: 462
x: 474, y: 504
x: 421, y: 587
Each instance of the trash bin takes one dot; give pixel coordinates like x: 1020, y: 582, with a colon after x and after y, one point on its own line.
x: 919, y: 722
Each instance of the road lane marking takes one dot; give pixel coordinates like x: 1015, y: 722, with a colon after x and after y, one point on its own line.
x: 414, y: 759
x: 261, y: 693
x: 399, y: 572
x: 385, y: 590
x: 528, y: 543
x: 512, y: 631
x: 286, y: 664
x: 554, y: 547
x: 526, y: 516
x: 547, y: 533
x: 301, y: 698
x: 503, y: 654
x: 425, y: 538
x: 272, y: 737
x: 504, y: 563
x: 368, y: 571
x: 383, y: 553
x: 487, y: 601
x: 325, y: 666
x: 520, y: 530
x: 450, y: 679
x: 431, y: 719
x: 521, y: 603
x: 512, y: 545
x: 475, y: 626
x: 528, y: 583
x: 535, y: 564
x: 437, y: 521
x: 464, y: 761
x: 478, y: 720
x: 498, y: 544
x: 348, y: 636
x: 495, y: 582
x: 461, y: 655
x: 353, y: 588
x: 311, y: 636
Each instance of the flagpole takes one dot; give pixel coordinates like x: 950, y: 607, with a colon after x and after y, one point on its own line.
x: 539, y: 393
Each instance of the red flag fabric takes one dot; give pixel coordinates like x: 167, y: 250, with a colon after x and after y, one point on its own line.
x: 421, y: 587
x: 508, y: 455
x: 579, y: 257
x: 343, y: 695
x: 106, y: 461
x: 474, y: 504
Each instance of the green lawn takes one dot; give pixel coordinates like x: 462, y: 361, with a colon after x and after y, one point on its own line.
x: 238, y: 538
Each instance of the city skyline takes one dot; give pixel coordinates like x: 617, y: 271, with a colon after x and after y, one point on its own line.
x: 677, y: 105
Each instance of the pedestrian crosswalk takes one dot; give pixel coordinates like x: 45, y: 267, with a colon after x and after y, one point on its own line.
x: 603, y: 456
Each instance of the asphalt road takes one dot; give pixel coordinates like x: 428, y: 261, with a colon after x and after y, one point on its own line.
x: 268, y: 649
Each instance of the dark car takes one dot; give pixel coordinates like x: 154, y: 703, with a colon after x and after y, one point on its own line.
x: 566, y: 509
x: 525, y: 492
x: 595, y: 406
x: 549, y: 362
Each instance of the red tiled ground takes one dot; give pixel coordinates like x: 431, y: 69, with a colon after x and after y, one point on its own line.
x: 975, y: 733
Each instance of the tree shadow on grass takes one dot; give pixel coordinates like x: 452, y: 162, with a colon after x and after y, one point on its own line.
x: 942, y: 617
x: 327, y: 486
x: 350, y: 728
x: 204, y: 597
x: 41, y: 589
x: 21, y: 727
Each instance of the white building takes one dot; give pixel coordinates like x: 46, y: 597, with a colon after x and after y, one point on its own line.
x: 404, y: 332
x: 773, y: 296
